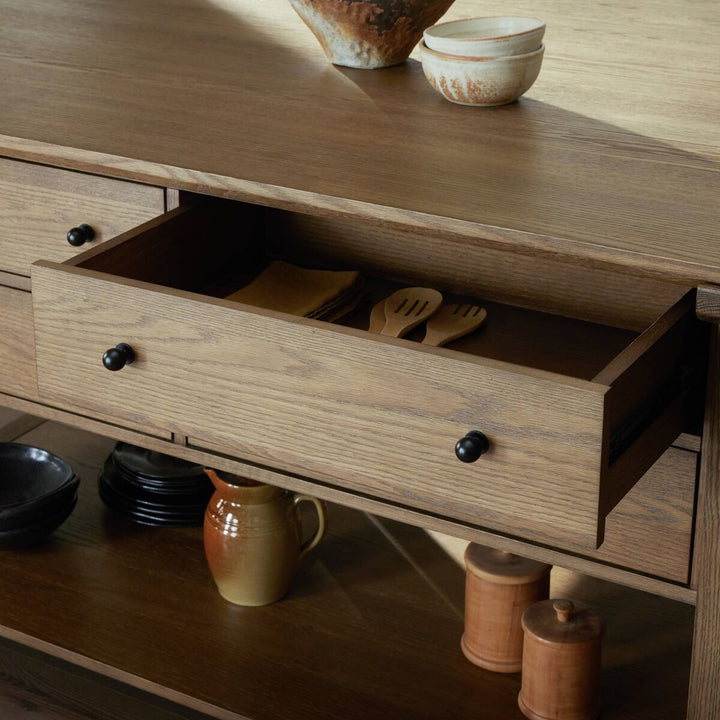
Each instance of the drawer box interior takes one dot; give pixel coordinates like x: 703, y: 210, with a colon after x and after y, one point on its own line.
x: 221, y: 248
x: 592, y: 404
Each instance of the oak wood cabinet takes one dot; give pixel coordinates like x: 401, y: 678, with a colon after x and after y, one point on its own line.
x: 201, y: 140
x: 344, y: 407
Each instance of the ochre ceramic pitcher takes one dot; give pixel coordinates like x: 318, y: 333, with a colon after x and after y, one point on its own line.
x: 253, y: 538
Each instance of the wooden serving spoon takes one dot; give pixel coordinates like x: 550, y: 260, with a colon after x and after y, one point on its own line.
x: 407, y: 308
x: 377, y: 317
x: 453, y: 321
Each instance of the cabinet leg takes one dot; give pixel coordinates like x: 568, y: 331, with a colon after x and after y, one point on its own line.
x: 704, y: 698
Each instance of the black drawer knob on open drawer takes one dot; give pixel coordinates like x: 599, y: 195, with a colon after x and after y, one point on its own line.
x: 118, y: 357
x: 80, y: 235
x: 472, y: 446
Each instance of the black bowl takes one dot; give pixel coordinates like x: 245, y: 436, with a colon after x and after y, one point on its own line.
x: 35, y: 486
x: 33, y: 533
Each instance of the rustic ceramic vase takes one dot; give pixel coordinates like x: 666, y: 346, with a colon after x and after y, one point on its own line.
x: 561, y: 661
x: 253, y: 538
x: 499, y: 587
x: 369, y: 33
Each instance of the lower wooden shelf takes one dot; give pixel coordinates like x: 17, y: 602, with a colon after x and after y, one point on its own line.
x: 370, y: 629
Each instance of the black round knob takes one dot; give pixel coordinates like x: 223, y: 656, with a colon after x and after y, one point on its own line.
x: 469, y: 448
x: 118, y: 357
x: 80, y: 235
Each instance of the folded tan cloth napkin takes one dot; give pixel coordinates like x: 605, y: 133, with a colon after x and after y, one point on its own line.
x: 291, y: 289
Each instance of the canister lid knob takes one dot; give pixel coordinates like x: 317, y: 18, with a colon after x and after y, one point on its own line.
x: 563, y: 609
x: 563, y: 621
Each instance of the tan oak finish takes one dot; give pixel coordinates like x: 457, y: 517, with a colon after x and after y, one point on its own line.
x: 567, y: 288
x: 650, y: 531
x: 564, y: 172
x: 398, y: 408
x: 38, y: 205
x: 385, y: 417
x: 593, y: 199
x: 17, y: 350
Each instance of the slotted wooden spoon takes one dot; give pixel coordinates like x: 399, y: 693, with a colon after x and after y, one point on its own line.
x: 407, y: 308
x: 453, y: 321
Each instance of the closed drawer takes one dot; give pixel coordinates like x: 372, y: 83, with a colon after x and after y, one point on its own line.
x: 343, y: 406
x: 39, y: 205
x: 650, y: 530
x: 17, y: 347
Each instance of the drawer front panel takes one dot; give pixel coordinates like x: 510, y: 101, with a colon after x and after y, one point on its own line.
x: 17, y: 346
x: 373, y: 415
x: 18, y: 375
x: 38, y: 205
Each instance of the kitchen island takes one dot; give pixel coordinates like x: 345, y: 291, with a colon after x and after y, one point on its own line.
x: 201, y: 139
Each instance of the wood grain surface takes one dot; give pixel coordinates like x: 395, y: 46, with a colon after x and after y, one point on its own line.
x: 704, y: 687
x: 557, y: 285
x: 319, y: 387
x: 650, y: 531
x: 610, y: 161
x: 17, y: 349
x: 372, y: 415
x: 370, y: 629
x: 611, y: 158
x: 38, y: 205
x: 708, y: 303
x: 37, y: 686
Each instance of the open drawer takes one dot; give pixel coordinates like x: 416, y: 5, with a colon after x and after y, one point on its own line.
x: 574, y: 412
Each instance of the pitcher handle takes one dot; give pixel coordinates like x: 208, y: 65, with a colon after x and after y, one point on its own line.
x: 311, y: 542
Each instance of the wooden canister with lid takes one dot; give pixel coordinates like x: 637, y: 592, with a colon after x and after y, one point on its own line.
x: 561, y: 661
x: 499, y: 587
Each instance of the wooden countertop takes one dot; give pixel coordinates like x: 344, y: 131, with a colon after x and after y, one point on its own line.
x: 612, y: 158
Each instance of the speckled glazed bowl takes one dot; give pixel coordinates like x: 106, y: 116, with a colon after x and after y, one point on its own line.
x: 482, y: 82
x: 369, y: 33
x: 486, y: 36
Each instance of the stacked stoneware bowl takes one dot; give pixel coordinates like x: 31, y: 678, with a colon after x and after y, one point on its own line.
x: 38, y: 491
x: 484, y: 61
x: 151, y: 488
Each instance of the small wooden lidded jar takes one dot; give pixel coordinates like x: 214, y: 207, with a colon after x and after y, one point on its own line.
x: 561, y: 661
x: 499, y: 587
